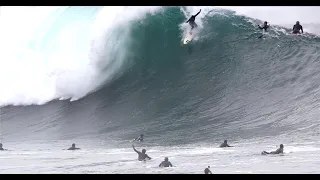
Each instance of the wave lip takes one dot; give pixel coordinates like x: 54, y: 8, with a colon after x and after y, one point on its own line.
x: 62, y: 52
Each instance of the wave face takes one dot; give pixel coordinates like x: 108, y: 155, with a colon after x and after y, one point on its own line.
x: 135, y: 76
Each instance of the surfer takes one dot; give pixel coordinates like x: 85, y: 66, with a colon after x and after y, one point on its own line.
x: 207, y: 170
x: 296, y: 28
x: 73, y: 147
x: 1, y: 149
x: 265, y: 26
x: 140, y: 138
x: 278, y: 151
x: 225, y: 144
x: 192, y: 19
x: 165, y: 163
x: 141, y: 155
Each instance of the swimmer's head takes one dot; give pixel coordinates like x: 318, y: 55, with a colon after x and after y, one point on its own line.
x: 281, y: 145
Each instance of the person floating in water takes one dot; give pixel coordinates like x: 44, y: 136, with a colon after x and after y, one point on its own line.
x: 278, y: 151
x: 1, y: 149
x: 141, y: 155
x: 296, y: 28
x: 225, y: 144
x: 265, y: 26
x: 207, y: 170
x: 192, y: 19
x: 165, y: 163
x: 140, y: 138
x: 73, y: 147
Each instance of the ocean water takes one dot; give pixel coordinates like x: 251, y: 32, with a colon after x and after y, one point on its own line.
x: 100, y: 76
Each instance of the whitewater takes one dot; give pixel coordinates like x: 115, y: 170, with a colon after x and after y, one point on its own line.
x: 100, y: 76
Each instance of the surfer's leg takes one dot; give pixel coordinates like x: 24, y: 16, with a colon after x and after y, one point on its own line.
x: 195, y: 24
x: 191, y: 24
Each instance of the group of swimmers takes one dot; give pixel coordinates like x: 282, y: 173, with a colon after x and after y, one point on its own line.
x: 297, y: 28
x: 142, y: 156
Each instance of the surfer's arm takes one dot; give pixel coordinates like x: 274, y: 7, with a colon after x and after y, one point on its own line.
x: 135, y: 149
x: 197, y: 13
x: 160, y: 165
x: 170, y: 164
x: 301, y: 29
x: 293, y: 27
x: 148, y: 157
x: 188, y: 20
x: 260, y: 27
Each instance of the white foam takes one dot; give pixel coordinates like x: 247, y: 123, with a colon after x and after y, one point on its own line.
x: 36, y: 66
x: 72, y: 68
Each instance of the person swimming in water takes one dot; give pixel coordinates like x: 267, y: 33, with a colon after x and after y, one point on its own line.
x: 225, y: 144
x: 165, y: 163
x: 73, y: 147
x: 192, y: 19
x: 141, y: 155
x: 140, y: 138
x: 278, y: 151
x: 207, y: 170
x: 296, y: 28
x: 1, y: 149
x: 265, y: 26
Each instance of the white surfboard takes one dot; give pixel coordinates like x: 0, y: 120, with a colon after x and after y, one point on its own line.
x: 188, y: 38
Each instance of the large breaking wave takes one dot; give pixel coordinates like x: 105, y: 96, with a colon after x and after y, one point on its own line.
x: 226, y: 83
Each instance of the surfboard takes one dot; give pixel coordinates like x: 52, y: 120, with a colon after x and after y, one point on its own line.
x: 188, y: 38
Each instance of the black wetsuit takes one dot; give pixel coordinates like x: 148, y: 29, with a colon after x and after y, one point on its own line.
x: 140, y: 138
x: 265, y: 27
x: 1, y: 149
x: 192, y: 19
x: 207, y: 171
x: 141, y: 156
x: 73, y: 148
x: 296, y: 29
x: 225, y: 145
x: 278, y: 151
x: 165, y: 164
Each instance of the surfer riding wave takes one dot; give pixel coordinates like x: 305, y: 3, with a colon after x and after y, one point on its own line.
x: 192, y: 19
